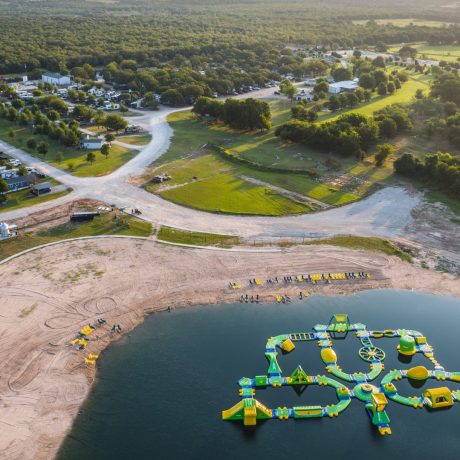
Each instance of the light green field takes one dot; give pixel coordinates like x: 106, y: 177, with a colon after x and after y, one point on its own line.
x: 435, y: 53
x: 404, y: 22
x: 220, y: 184
x: 211, y: 184
x: 102, y: 166
x: 174, y: 235
x: 24, y: 198
x: 403, y: 95
x: 141, y: 139
x: 102, y: 225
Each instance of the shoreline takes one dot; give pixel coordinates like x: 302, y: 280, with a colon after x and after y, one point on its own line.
x: 49, y: 295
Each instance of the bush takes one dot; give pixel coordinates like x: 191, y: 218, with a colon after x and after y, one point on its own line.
x: 31, y: 144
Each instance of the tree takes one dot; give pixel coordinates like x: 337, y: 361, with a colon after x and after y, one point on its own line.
x: 90, y: 157
x: 321, y: 87
x: 59, y: 157
x: 173, y: 98
x: 150, y: 101
x: 3, y: 190
x: 288, y: 89
x: 341, y: 74
x: 368, y: 133
x: 352, y: 99
x: 388, y: 128
x: 42, y: 148
x: 379, y: 61
x: 54, y: 115
x: 115, y: 122
x: 11, y: 133
x: 367, y: 81
x: 334, y: 104
x: 419, y: 94
x: 71, y: 165
x: 31, y: 143
x: 83, y: 112
x: 105, y: 150
x: 382, y: 89
x: 383, y: 152
x: 391, y: 88
x: 22, y: 171
x: 109, y: 137
x: 407, y: 52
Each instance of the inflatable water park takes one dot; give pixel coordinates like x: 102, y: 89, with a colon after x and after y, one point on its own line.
x: 347, y: 386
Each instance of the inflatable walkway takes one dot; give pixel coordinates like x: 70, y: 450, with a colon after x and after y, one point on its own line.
x: 249, y: 409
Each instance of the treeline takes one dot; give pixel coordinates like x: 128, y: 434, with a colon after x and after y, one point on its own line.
x: 161, y: 32
x: 439, y: 169
x: 351, y: 134
x: 248, y: 114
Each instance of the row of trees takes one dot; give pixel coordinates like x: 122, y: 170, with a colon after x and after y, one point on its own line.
x: 247, y: 114
x: 351, y: 134
x: 439, y: 169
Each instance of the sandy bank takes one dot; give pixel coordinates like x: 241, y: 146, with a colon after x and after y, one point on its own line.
x: 48, y: 295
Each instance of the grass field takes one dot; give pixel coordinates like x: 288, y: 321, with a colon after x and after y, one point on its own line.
x: 404, y: 22
x: 102, y: 225
x: 449, y: 53
x: 24, y: 198
x: 207, y: 180
x: 141, y: 139
x: 402, y: 96
x: 210, y: 183
x: 118, y: 155
x: 174, y: 235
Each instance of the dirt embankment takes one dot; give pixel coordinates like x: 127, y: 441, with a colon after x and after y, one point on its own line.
x: 48, y: 295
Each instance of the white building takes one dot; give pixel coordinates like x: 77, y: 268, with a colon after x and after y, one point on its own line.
x: 91, y: 143
x: 56, y: 79
x: 341, y: 86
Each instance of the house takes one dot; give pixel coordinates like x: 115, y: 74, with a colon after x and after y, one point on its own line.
x: 20, y: 182
x: 343, y: 86
x: 56, y: 79
x: 91, y: 143
x: 41, y: 189
x: 310, y: 82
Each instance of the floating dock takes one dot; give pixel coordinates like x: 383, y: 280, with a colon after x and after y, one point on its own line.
x: 249, y: 409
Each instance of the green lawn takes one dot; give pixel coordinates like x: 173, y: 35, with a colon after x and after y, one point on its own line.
x: 24, y: 198
x: 118, y: 155
x: 140, y: 139
x: 174, y: 235
x: 449, y: 53
x: 191, y: 134
x: 403, y: 95
x: 102, y: 225
x: 218, y: 188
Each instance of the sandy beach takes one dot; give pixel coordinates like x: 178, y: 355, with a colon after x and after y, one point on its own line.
x: 48, y: 295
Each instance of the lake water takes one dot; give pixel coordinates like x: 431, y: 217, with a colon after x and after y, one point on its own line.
x: 160, y: 391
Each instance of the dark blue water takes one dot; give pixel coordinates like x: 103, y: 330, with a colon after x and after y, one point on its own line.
x: 160, y: 391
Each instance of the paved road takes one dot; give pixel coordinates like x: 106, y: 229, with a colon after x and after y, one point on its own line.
x: 385, y: 213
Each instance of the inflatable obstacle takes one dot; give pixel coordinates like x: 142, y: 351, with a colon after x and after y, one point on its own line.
x: 375, y: 397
